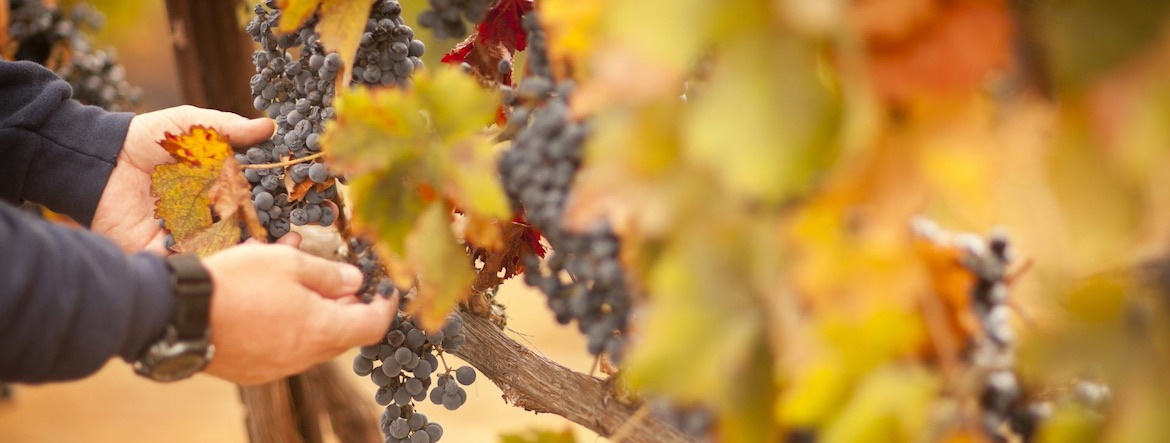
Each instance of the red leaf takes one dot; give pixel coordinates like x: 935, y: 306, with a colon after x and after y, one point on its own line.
x: 499, y: 36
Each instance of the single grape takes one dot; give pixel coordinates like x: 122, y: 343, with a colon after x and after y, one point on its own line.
x: 318, y: 173
x: 465, y: 375
x: 299, y: 217
x: 362, y: 366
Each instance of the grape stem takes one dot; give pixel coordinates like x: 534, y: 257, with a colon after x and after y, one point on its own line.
x: 284, y: 163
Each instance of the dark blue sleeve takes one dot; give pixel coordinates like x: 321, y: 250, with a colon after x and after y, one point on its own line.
x: 56, y: 151
x: 70, y: 300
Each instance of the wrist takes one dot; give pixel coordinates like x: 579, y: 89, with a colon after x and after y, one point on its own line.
x: 186, y: 346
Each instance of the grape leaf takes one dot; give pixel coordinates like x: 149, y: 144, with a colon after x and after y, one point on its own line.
x: 497, y: 38
x: 919, y: 61
x: 204, y: 184
x: 341, y: 24
x: 294, y: 13
x: 446, y: 273
x: 217, y: 237
x: 539, y: 436
x: 341, y: 27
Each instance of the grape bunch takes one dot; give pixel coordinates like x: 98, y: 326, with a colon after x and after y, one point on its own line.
x: 298, y: 92
x: 409, y: 358
x: 95, y: 75
x: 449, y: 18
x: 538, y: 172
x: 1002, y: 398
x: 374, y: 279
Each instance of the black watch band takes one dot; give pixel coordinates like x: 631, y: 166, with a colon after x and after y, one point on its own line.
x: 186, y: 348
x: 192, y: 286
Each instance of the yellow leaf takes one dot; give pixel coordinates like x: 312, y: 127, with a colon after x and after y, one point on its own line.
x: 572, y: 27
x: 534, y: 436
x: 469, y: 168
x: 220, y: 235
x: 341, y: 27
x: 892, y: 404
x: 205, y: 181
x: 783, y: 118
x: 294, y: 13
x: 445, y: 272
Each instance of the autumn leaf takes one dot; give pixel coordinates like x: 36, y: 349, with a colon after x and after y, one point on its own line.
x: 498, y: 37
x: 204, y: 184
x: 341, y: 27
x: 912, y: 54
x: 446, y: 273
x: 341, y: 24
x: 294, y: 13
x: 539, y: 436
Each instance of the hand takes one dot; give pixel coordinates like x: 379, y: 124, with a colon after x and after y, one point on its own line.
x: 276, y: 311
x: 125, y: 212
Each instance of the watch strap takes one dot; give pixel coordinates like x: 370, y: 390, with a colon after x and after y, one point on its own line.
x: 192, y: 285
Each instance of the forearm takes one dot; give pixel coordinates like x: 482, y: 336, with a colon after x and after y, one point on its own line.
x: 70, y: 300
x: 57, y: 152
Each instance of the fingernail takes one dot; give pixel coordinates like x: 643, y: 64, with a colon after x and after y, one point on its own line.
x: 351, y: 276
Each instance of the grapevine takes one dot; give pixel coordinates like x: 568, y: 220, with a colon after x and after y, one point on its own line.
x: 60, y: 40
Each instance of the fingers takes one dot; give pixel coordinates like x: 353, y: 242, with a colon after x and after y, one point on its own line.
x: 328, y: 278
x: 291, y: 239
x: 362, y: 324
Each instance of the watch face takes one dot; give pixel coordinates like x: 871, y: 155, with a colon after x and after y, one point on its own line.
x: 178, y: 367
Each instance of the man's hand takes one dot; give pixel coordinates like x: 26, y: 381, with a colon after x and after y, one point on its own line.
x: 125, y: 212
x: 276, y: 311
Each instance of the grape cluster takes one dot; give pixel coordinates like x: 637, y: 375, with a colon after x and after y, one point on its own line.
x: 409, y: 358
x: 447, y: 18
x: 374, y: 279
x: 95, y: 75
x: 696, y: 422
x: 298, y: 92
x: 583, y: 280
x: 1002, y: 398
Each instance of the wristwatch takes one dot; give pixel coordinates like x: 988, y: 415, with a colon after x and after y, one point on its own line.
x: 186, y: 348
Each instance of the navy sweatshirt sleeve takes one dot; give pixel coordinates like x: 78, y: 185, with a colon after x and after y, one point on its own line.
x: 56, y: 151
x: 69, y: 299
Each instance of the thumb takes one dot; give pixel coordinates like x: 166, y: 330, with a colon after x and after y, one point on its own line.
x: 361, y: 324
x: 242, y: 132
x: 328, y: 278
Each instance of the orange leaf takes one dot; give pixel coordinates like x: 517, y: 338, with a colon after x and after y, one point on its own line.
x: 935, y: 48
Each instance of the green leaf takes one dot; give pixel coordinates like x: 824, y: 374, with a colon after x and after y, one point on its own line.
x: 446, y: 272
x: 386, y: 205
x: 469, y: 168
x: 783, y: 118
x: 456, y: 103
x: 539, y: 436
x: 374, y: 129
